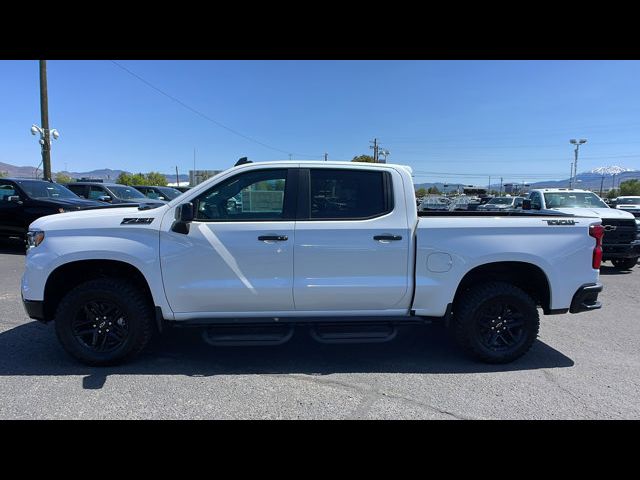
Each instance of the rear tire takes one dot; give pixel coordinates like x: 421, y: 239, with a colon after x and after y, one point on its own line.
x: 624, y: 263
x: 496, y: 322
x: 104, y: 321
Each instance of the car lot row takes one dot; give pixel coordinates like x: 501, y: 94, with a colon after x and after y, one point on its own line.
x: 23, y: 200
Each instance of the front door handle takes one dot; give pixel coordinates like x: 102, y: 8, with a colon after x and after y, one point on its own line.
x: 273, y: 238
x: 388, y: 237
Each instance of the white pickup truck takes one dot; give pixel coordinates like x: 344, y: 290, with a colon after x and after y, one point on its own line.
x: 336, y: 246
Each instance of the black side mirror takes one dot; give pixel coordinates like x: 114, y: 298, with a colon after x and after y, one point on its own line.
x: 105, y: 198
x: 184, y: 216
x: 14, y: 198
x: 526, y: 204
x: 184, y: 212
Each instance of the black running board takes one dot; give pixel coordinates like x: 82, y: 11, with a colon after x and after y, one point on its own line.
x: 234, y: 336
x: 354, y: 332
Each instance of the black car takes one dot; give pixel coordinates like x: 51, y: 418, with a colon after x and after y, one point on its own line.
x: 22, y: 201
x: 113, y: 193
x: 158, y: 193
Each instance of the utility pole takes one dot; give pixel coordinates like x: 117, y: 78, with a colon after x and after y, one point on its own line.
x: 325, y: 156
x: 574, y: 168
x: 489, y: 189
x: 375, y: 149
x: 601, y: 182
x: 613, y: 182
x: 500, y: 193
x: 177, y: 176
x: 44, y: 113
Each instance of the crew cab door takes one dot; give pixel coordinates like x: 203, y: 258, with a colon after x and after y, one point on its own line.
x: 352, y: 241
x: 234, y: 259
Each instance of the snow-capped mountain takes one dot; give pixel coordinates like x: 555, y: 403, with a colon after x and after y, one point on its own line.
x: 611, y: 170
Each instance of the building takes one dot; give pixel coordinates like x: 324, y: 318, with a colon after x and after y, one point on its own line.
x: 198, y: 176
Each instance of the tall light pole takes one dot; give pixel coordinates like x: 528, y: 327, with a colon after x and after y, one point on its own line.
x: 45, y: 143
x: 577, y: 143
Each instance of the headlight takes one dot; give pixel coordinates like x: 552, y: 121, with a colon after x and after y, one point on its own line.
x: 35, y: 238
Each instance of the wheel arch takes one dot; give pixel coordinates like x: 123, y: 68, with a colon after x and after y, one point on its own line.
x: 526, y: 276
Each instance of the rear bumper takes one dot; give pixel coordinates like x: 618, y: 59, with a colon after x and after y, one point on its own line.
x: 586, y: 298
x: 623, y: 250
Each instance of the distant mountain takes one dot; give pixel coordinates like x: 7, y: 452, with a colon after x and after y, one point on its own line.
x: 106, y: 174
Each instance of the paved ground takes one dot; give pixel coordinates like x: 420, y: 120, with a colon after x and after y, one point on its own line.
x: 582, y: 366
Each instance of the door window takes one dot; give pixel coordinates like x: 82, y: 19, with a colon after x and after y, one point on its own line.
x: 348, y: 194
x: 250, y: 196
x: 96, y: 192
x: 6, y: 190
x: 78, y: 190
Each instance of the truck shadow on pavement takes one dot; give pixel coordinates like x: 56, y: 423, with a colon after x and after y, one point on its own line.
x: 12, y: 247
x: 606, y: 270
x: 33, y: 349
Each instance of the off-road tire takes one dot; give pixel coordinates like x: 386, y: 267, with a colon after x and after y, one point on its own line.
x: 624, y: 263
x: 470, y: 315
x: 134, y: 305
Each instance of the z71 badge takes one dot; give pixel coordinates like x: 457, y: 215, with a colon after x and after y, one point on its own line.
x: 561, y: 222
x: 136, y: 221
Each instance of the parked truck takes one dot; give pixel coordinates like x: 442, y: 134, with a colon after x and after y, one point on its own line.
x: 341, y: 250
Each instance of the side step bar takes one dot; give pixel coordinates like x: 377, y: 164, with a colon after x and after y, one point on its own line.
x: 353, y: 333
x: 247, y: 335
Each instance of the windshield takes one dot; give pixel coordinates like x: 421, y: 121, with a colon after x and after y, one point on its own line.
x: 169, y: 192
x: 628, y: 201
x: 500, y: 201
x: 126, y: 193
x: 573, y: 200
x: 45, y: 189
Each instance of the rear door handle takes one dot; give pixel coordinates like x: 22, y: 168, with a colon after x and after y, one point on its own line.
x: 388, y: 237
x: 273, y: 238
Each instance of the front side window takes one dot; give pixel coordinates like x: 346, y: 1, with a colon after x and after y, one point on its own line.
x: 256, y: 195
x: 96, y: 192
x: 347, y: 194
x: 6, y: 190
x: 536, y: 201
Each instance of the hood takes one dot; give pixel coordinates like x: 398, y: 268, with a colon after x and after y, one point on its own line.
x: 72, y: 203
x: 595, y: 212
x: 96, y: 219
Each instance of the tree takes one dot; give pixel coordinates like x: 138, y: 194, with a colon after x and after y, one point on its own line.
x: 363, y: 158
x: 2, y: 174
x: 155, y: 178
x: 433, y: 190
x: 421, y: 192
x: 630, y: 187
x: 63, y: 178
x: 611, y: 194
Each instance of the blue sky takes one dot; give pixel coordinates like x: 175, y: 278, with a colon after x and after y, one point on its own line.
x: 446, y: 119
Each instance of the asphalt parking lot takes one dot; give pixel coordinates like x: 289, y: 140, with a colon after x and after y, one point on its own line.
x: 583, y: 366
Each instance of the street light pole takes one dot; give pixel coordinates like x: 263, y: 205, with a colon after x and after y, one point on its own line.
x: 577, y: 143
x: 44, y: 113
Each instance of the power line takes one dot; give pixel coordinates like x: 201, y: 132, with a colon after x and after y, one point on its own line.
x: 206, y: 117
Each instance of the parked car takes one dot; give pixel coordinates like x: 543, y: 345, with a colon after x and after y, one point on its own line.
x: 621, y: 243
x: 502, y: 203
x: 158, y: 192
x: 629, y: 204
x: 365, y: 262
x: 113, y: 193
x: 434, y: 202
x: 22, y: 201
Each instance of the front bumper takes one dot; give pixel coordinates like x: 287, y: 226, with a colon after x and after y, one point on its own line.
x: 586, y: 298
x: 34, y: 309
x: 622, y: 250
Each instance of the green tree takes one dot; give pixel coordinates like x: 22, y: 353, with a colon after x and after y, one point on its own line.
x: 433, y: 190
x: 155, y: 178
x: 363, y: 158
x: 611, y: 194
x: 63, y: 178
x: 2, y: 174
x: 421, y: 192
x: 630, y: 187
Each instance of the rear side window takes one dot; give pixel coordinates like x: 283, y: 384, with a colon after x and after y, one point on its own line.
x: 6, y: 190
x: 349, y: 194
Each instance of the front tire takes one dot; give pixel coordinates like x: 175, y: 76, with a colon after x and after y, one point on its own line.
x: 624, y: 263
x: 104, y: 321
x: 496, y: 322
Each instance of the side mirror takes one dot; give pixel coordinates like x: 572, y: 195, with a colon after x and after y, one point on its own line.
x: 14, y: 199
x: 104, y: 198
x: 526, y: 204
x: 184, y: 213
x: 183, y: 217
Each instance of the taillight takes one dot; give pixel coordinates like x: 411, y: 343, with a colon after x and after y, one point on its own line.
x: 597, y: 232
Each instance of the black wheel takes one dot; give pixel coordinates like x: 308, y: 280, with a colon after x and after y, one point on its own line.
x: 104, y: 321
x: 624, y: 263
x: 496, y: 322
